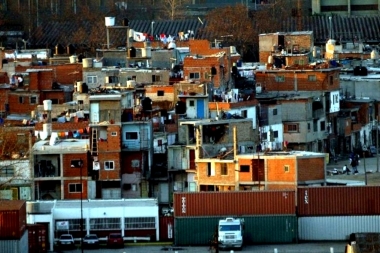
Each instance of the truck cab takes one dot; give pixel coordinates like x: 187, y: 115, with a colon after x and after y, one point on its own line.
x: 230, y: 233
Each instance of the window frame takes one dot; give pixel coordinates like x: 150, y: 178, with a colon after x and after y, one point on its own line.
x: 280, y: 78
x: 76, y: 185
x: 223, y: 169
x: 20, y: 99
x: 92, y: 79
x: 133, y: 223
x: 294, y: 126
x: 286, y: 168
x: 194, y: 75
x: 312, y: 78
x: 7, y: 171
x: 129, y: 135
x: 243, y: 168
x: 160, y: 93
x: 111, y: 165
x: 33, y: 100
x: 76, y: 163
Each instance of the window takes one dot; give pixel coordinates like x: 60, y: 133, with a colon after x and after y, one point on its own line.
x: 156, y: 78
x: 275, y: 134
x: 223, y: 169
x: 75, y: 188
x: 76, y: 163
x: 312, y: 78
x: 109, y: 165
x: 244, y: 113
x: 315, y: 125
x: 280, y: 78
x: 112, y: 79
x: 244, y: 168
x: 264, y: 136
x: 131, y: 135
x: 7, y: 171
x: 194, y: 75
x: 275, y: 111
x: 210, y: 169
x: 74, y: 224
x: 21, y: 100
x: 286, y: 168
x: 140, y: 223
x: 160, y: 93
x: 105, y: 223
x: 113, y: 133
x: 33, y: 100
x: 331, y: 80
x: 308, y: 127
x: 21, y: 138
x: 292, y: 128
x: 323, y: 125
x: 191, y: 103
x: 92, y: 79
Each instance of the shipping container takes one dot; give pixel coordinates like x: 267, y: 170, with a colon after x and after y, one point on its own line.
x: 234, y: 203
x: 338, y: 200
x: 336, y: 228
x: 37, y: 237
x: 12, y: 219
x: 190, y: 231
x: 166, y: 228
x: 15, y: 246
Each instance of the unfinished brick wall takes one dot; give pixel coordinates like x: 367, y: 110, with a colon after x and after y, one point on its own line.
x: 311, y: 168
x: 298, y: 80
x: 109, y: 174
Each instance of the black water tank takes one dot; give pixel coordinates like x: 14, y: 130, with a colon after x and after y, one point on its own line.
x: 180, y: 107
x: 125, y: 22
x: 84, y: 88
x: 213, y: 71
x: 132, y: 52
x: 146, y: 104
x: 360, y: 71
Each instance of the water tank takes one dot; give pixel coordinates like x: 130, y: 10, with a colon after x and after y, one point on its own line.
x: 73, y: 59
x: 110, y: 21
x: 87, y: 62
x: 146, y: 104
x: 47, y: 105
x: 360, y: 71
x: 125, y: 22
x: 270, y: 59
x: 374, y: 55
x: 131, y: 84
x: 213, y: 71
x: 47, y: 128
x: 172, y: 45
x: 132, y: 52
x: 79, y: 87
x: 84, y: 88
x: 180, y: 107
x: 146, y: 52
x: 232, y: 49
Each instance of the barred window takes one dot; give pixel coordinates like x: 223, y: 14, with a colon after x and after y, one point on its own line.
x: 7, y: 171
x: 74, y: 224
x: 105, y: 223
x: 140, y: 223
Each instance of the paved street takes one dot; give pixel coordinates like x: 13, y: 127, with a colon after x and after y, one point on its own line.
x: 369, y: 165
x: 320, y: 247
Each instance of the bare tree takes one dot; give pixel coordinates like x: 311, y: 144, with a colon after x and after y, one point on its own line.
x: 15, y: 143
x: 174, y: 9
x: 232, y: 24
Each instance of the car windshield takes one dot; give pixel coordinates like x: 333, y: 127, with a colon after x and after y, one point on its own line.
x: 115, y: 236
x: 229, y: 227
x: 91, y: 237
x: 66, y: 237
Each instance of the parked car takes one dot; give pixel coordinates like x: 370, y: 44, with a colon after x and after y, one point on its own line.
x: 66, y: 240
x: 115, y: 240
x: 91, y: 241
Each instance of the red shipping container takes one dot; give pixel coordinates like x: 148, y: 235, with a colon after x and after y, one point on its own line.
x: 235, y: 203
x: 338, y: 200
x: 37, y: 235
x: 166, y: 228
x: 12, y: 219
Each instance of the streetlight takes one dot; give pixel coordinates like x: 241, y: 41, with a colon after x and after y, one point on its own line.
x: 152, y: 29
x: 81, y: 205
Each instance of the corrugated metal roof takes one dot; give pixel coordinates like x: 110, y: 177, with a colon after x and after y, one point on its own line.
x: 365, y: 28
x: 11, y: 205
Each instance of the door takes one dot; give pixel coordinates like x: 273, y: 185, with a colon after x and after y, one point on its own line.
x: 200, y: 109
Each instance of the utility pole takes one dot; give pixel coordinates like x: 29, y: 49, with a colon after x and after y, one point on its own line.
x: 377, y: 144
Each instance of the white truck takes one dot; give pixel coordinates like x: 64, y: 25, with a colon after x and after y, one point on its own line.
x: 230, y: 233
